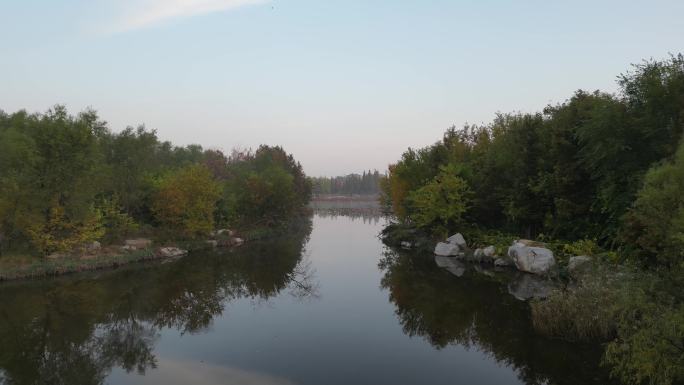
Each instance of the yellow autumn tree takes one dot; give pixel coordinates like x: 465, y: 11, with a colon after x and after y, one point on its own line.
x: 185, y: 201
x: 58, y: 232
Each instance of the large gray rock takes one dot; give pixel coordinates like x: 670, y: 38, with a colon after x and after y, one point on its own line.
x: 457, y: 239
x: 447, y: 249
x: 137, y: 244
x: 489, y: 251
x: 535, y: 260
x: 526, y: 286
x: 450, y: 264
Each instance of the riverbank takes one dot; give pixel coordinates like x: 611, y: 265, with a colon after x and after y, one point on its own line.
x: 135, y: 250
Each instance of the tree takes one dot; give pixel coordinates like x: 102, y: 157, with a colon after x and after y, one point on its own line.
x: 655, y: 223
x: 185, y: 201
x: 440, y: 204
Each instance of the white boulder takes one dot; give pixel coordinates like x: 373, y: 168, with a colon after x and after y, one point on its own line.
x: 446, y: 249
x: 535, y: 260
x: 457, y: 239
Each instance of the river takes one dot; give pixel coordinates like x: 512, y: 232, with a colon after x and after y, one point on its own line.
x: 326, y: 305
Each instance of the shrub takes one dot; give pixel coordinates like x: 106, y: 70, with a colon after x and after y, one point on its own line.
x: 650, y: 346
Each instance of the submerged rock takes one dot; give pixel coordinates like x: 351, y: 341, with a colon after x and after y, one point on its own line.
x: 535, y: 260
x: 447, y: 249
x: 526, y: 286
x: 457, y: 239
x: 450, y: 264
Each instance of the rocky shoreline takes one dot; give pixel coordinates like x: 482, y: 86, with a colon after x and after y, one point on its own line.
x: 94, y: 256
x: 535, y: 270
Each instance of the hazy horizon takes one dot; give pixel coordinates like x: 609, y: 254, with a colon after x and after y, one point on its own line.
x: 344, y: 86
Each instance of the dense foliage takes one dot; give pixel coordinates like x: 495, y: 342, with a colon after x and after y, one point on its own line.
x: 573, y: 171
x: 67, y: 180
x: 596, y: 171
x: 367, y: 183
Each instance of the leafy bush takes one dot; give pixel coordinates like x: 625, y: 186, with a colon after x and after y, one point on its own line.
x: 587, y: 247
x: 650, y: 345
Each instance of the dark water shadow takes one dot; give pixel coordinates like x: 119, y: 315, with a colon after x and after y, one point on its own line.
x: 456, y: 305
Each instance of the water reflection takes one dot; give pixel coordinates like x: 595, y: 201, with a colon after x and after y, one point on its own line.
x: 477, y: 311
x: 75, y: 330
x: 367, y: 209
x: 370, y: 217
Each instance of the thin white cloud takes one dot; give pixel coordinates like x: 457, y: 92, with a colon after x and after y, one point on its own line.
x: 143, y: 14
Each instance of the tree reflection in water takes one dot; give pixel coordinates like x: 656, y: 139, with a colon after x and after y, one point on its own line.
x: 74, y: 330
x: 476, y: 311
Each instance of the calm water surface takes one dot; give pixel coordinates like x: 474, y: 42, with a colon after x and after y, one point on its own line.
x: 328, y: 305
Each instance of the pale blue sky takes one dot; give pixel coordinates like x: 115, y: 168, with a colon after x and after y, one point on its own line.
x: 344, y: 85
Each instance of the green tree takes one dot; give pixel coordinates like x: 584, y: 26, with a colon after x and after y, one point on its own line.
x: 441, y: 204
x: 655, y: 224
x: 185, y: 201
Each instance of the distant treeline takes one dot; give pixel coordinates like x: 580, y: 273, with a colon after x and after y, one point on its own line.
x: 367, y: 183
x: 66, y: 180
